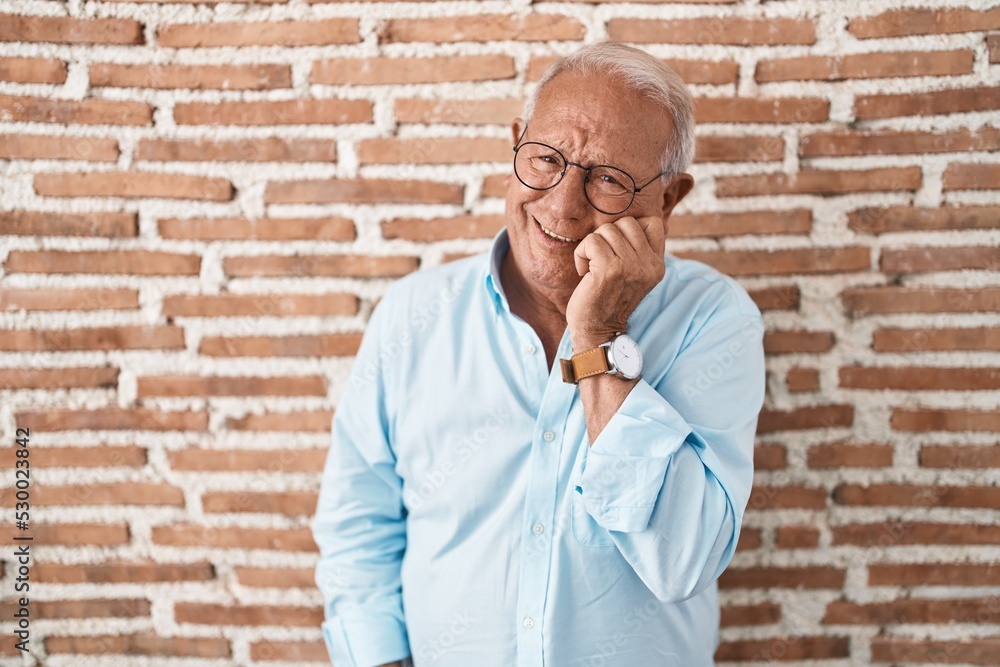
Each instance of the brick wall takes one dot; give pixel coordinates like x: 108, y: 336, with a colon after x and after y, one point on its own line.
x: 201, y: 203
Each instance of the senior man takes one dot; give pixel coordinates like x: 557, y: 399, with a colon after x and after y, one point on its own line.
x: 544, y: 452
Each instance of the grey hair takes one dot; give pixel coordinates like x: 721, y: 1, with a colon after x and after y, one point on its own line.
x: 642, y: 73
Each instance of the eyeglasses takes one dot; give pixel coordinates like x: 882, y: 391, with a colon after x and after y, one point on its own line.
x: 608, y: 189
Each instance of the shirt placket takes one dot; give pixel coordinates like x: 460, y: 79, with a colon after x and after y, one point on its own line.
x: 538, y: 523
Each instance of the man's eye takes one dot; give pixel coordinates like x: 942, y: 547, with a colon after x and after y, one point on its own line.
x: 607, y: 179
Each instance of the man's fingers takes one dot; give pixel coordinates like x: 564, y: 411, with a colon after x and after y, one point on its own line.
x: 590, y: 248
x: 652, y: 227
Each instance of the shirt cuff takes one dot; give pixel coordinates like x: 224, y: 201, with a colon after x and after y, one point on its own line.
x: 625, y: 467
x: 373, y: 641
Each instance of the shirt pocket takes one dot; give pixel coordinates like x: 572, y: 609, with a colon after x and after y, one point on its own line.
x: 586, y: 530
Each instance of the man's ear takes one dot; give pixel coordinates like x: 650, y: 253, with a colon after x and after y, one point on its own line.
x: 516, y: 128
x: 675, y: 191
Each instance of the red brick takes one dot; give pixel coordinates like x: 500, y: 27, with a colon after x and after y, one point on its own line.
x: 101, y: 419
x: 960, y: 456
x: 247, y: 615
x: 132, y: 184
x: 783, y: 497
x: 937, y: 258
x: 42, y: 147
x: 892, y: 142
x: 191, y: 535
x: 795, y: 342
x: 57, y: 378
x: 192, y: 385
x: 330, y: 228
x: 490, y: 111
x: 154, y: 337
x: 71, y: 112
x: 259, y: 305
x: 435, y: 150
x: 259, y: 33
x: 123, y: 572
x: 270, y: 577
x: 362, y: 191
x: 933, y: 574
x: 784, y: 262
x: 783, y: 297
x: 265, y: 149
x: 820, y: 182
x: 33, y: 70
x: 719, y: 148
x: 440, y: 229
x: 192, y: 77
x: 761, y: 110
x: 916, y: 495
x: 846, y: 455
x: 383, y: 71
x: 893, y: 299
x: 79, y: 534
x: 721, y: 224
x: 898, y: 534
x: 769, y: 457
x: 909, y: 219
x: 939, y: 102
x: 495, y: 185
x: 933, y: 419
x: 482, y: 28
x: 866, y: 66
x: 360, y: 266
x: 783, y: 648
x: 919, y: 378
x: 101, y: 456
x: 45, y: 223
x: 305, y: 345
x: 993, y: 45
x: 799, y: 380
x: 782, y: 577
x: 713, y: 30
x: 279, y: 502
x: 89, y: 609
x: 97, y: 298
x: 717, y: 72
x: 266, y: 650
x: 973, y: 651
x: 902, y: 22
x: 140, y: 644
x: 116, y: 493
x: 764, y: 613
x: 749, y: 539
x: 302, y: 420
x: 796, y: 537
x: 817, y: 416
x: 135, y: 262
x: 244, y: 460
x: 67, y: 30
x: 274, y: 112
x: 964, y: 610
x: 966, y: 176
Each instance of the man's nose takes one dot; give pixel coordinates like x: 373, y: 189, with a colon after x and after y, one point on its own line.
x: 567, y: 200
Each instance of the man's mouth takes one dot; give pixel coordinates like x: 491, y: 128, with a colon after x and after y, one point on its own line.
x: 556, y: 236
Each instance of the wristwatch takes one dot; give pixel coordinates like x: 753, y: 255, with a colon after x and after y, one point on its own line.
x: 620, y: 356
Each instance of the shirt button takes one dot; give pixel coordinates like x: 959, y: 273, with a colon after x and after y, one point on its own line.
x: 529, y: 349
x: 538, y: 529
x: 549, y: 436
x: 528, y: 622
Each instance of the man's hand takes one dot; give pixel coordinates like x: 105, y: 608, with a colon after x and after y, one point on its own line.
x: 621, y: 262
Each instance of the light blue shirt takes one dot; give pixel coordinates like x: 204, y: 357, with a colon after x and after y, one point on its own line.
x: 464, y: 517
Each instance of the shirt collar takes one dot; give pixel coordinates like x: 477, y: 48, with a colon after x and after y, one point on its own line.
x: 499, y: 248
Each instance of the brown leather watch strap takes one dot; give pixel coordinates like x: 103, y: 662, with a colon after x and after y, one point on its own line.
x: 584, y: 364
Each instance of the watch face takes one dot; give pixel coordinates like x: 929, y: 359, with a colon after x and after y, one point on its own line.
x: 627, y: 357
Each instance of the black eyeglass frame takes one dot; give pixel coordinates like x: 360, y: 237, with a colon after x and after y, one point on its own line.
x: 586, y: 176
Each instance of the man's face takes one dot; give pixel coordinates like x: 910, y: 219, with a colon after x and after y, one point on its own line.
x: 590, y: 120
